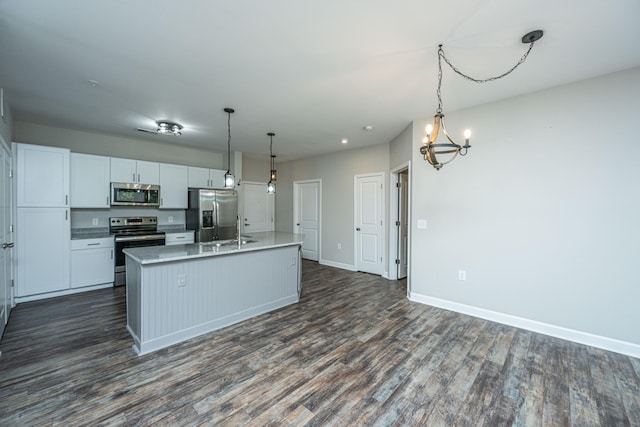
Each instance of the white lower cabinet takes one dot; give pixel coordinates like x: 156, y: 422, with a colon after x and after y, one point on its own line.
x: 92, y: 262
x: 42, y: 244
x: 179, y: 238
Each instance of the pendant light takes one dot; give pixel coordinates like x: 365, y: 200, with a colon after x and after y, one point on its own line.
x: 430, y: 148
x: 229, y: 180
x: 271, y: 186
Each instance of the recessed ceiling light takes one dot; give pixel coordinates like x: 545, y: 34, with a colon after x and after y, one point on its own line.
x: 367, y: 127
x: 344, y: 140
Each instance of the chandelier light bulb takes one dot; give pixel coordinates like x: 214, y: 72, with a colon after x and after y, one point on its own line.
x: 467, y: 133
x: 428, y: 129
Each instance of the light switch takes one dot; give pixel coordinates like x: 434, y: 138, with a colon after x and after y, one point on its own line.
x: 422, y: 224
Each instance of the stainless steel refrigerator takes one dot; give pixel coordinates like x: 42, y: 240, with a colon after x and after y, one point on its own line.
x: 213, y: 214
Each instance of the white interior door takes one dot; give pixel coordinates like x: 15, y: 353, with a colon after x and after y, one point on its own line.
x: 307, y: 207
x: 403, y: 223
x: 6, y: 238
x: 258, y: 208
x: 368, y: 222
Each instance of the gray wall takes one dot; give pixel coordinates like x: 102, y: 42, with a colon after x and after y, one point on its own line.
x: 337, y: 172
x: 104, y: 145
x: 543, y: 212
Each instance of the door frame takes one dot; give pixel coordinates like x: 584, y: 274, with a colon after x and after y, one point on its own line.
x: 296, y: 203
x: 393, y: 232
x: 383, y: 218
x: 9, y: 252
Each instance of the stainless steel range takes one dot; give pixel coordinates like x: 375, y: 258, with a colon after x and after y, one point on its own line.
x: 132, y: 232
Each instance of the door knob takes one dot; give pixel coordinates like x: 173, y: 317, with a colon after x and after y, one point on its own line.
x: 298, y: 224
x: 7, y: 245
x: 358, y: 229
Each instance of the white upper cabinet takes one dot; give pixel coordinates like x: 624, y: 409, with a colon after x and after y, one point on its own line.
x: 135, y: 171
x: 217, y: 178
x: 173, y: 186
x: 198, y: 177
x: 90, y: 181
x: 42, y: 176
x: 206, y: 178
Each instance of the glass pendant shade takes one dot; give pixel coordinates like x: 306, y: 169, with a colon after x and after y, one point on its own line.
x: 229, y: 180
x: 271, y: 187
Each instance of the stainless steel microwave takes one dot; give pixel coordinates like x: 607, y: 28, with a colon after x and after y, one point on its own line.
x: 126, y: 194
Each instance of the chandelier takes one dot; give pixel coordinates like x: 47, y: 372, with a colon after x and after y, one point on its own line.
x: 433, y: 151
x: 229, y: 180
x: 271, y: 186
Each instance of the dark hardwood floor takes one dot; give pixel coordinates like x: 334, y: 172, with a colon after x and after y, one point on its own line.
x: 354, y: 351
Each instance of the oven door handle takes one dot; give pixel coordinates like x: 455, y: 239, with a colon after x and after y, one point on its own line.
x: 138, y: 238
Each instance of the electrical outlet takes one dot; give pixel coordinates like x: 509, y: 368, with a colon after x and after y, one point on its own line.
x: 422, y: 224
x: 94, y: 221
x: 182, y: 280
x: 339, y: 246
x: 170, y: 219
x: 462, y: 275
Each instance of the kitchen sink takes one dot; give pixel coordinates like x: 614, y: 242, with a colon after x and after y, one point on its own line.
x: 231, y: 242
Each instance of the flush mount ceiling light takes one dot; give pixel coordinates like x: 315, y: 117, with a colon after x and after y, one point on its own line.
x: 229, y: 180
x: 344, y: 140
x: 165, y: 128
x: 169, y: 128
x: 430, y: 148
x: 271, y: 186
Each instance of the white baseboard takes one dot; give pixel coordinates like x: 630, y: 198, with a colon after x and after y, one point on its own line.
x: 338, y: 265
x: 605, y: 343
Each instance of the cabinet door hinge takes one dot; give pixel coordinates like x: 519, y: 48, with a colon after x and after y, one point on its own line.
x: 398, y: 223
x: 11, y: 228
x: 398, y: 262
x: 10, y: 173
x: 398, y: 185
x: 12, y: 283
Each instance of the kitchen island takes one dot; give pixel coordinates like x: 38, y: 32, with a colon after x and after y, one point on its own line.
x: 178, y: 292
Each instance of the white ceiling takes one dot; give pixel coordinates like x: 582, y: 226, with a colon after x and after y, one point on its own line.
x: 311, y: 71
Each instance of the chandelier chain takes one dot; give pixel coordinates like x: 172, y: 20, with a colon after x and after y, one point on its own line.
x: 454, y: 68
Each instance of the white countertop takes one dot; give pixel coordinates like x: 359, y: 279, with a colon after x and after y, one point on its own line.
x: 263, y: 240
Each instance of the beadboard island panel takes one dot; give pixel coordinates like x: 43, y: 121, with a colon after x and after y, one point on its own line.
x: 169, y: 302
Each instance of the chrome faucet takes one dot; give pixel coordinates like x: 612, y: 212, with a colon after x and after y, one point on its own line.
x: 238, y: 229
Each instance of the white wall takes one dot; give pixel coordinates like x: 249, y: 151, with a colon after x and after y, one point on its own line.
x: 336, y: 171
x: 105, y: 145
x: 256, y: 169
x: 401, y: 148
x: 543, y: 212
